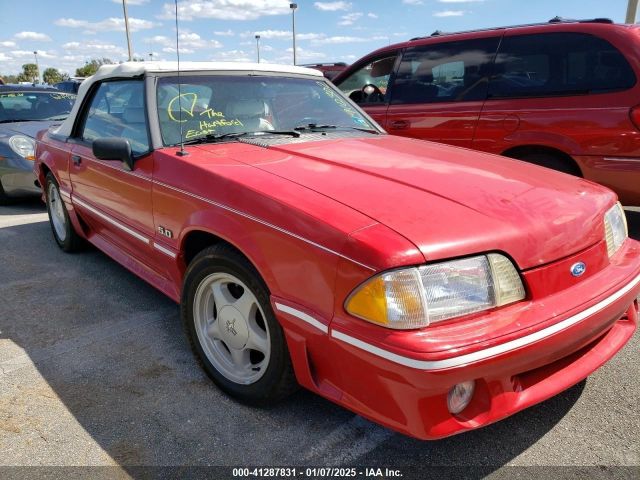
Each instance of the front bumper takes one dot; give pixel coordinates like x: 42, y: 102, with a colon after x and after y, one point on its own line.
x: 404, y: 388
x: 502, y: 388
x: 17, y: 178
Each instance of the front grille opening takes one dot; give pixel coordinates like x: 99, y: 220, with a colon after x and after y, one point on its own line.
x: 530, y: 378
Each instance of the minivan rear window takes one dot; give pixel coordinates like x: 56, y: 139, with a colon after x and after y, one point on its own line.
x: 551, y: 64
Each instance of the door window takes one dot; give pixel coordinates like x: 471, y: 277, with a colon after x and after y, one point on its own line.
x: 551, y: 64
x: 369, y: 83
x: 117, y: 110
x: 444, y: 72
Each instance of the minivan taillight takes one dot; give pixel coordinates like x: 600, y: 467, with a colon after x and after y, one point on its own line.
x: 634, y: 114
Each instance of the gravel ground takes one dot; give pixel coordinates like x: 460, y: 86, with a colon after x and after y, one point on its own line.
x: 95, y: 370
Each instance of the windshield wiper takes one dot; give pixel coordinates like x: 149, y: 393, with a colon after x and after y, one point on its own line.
x: 312, y: 127
x: 216, y: 137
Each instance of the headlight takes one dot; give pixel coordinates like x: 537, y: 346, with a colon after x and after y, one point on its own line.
x: 615, y: 228
x: 417, y: 296
x: 23, y: 146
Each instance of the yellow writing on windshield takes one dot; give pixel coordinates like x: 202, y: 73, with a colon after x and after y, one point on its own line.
x: 338, y: 99
x: 186, y: 104
x: 211, y: 113
x: 11, y: 95
x: 197, y: 133
x: 206, y: 128
x: 220, y: 123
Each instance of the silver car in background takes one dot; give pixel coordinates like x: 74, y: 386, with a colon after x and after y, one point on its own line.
x: 24, y: 111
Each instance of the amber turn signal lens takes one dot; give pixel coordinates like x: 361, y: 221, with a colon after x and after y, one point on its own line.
x: 369, y: 302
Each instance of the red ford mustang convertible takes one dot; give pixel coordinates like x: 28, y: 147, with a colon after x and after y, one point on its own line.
x: 429, y: 288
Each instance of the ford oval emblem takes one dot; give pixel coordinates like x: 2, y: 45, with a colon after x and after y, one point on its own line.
x: 577, y: 269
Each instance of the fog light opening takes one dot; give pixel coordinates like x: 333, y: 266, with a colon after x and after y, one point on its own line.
x: 460, y: 396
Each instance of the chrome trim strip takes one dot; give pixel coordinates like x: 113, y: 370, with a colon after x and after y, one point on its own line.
x: 64, y: 194
x: 499, y: 111
x: 303, y: 316
x: 110, y: 220
x: 622, y: 159
x: 166, y: 251
x: 263, y: 222
x: 489, y: 352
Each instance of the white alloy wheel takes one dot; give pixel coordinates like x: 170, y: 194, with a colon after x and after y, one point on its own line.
x: 56, y: 212
x: 231, y: 329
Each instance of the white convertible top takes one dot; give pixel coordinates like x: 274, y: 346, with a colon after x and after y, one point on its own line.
x: 136, y: 69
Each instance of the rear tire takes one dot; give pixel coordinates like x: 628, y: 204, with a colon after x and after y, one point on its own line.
x: 63, y: 232
x: 551, y: 161
x: 232, y: 329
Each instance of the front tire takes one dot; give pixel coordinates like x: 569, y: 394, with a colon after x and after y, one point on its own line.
x: 63, y: 232
x: 232, y: 329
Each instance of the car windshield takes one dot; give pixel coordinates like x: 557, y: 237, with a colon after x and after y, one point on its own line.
x: 23, y: 106
x: 235, y: 105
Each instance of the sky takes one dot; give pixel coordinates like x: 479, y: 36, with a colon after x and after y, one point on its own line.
x: 68, y: 33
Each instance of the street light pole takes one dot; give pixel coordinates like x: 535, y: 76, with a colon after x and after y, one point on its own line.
x: 258, y: 46
x: 126, y: 27
x: 293, y: 7
x: 35, y: 54
x: 151, y: 56
x: 632, y: 10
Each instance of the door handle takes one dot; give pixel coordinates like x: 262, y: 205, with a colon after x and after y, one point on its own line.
x: 76, y: 159
x: 399, y: 125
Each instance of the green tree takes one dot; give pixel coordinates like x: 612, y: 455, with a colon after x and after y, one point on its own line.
x: 29, y: 73
x: 9, y: 78
x: 51, y: 76
x: 92, y: 66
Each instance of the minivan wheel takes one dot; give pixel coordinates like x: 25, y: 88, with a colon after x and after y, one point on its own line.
x: 551, y: 161
x: 232, y: 329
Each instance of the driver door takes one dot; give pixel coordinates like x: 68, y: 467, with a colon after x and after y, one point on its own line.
x: 115, y: 202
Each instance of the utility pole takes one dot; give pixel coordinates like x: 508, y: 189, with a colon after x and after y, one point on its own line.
x: 293, y: 7
x: 126, y: 27
x: 35, y: 54
x: 632, y: 10
x: 258, y: 46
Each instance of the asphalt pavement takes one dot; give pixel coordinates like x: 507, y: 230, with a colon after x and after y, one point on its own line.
x: 95, y: 370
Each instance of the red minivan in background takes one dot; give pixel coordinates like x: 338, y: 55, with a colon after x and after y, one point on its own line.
x: 329, y: 70
x: 563, y: 94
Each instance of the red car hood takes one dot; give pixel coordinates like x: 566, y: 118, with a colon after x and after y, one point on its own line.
x: 450, y: 201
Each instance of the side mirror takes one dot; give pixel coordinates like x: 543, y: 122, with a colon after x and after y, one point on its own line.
x: 113, y: 149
